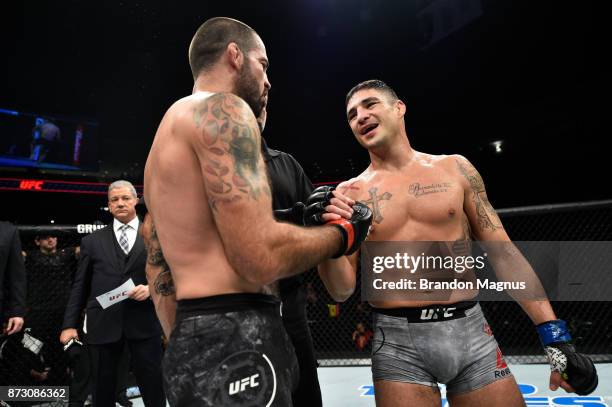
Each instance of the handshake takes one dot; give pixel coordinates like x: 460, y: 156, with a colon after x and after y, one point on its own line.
x: 324, y: 207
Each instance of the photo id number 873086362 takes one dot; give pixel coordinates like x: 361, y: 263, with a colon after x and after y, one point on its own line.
x: 34, y: 393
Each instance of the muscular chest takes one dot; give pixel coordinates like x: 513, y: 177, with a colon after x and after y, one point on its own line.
x: 427, y: 198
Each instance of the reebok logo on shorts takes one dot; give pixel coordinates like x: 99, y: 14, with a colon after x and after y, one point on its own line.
x: 500, y: 363
x: 501, y: 367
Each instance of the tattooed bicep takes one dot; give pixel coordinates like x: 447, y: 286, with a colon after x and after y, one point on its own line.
x: 469, y: 172
x: 485, y: 215
x: 233, y: 169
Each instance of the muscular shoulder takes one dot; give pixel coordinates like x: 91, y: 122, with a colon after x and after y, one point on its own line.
x: 456, y: 159
x: 221, y: 114
x: 353, y: 186
x: 436, y: 160
x: 219, y: 105
x: 449, y: 161
x: 465, y: 171
x: 452, y: 163
x: 209, y: 115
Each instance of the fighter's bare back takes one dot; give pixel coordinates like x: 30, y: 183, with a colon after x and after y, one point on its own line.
x: 174, y: 187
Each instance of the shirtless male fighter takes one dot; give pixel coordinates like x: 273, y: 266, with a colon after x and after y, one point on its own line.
x: 208, y: 194
x: 422, y: 197
x: 290, y: 187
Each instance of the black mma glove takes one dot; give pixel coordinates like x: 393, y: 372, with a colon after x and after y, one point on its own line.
x: 294, y: 215
x: 315, y: 205
x: 354, y: 231
x: 575, y: 368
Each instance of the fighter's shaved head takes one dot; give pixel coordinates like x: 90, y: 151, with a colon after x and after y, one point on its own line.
x: 212, y: 38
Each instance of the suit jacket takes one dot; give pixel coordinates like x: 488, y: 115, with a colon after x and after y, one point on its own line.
x: 100, y: 271
x: 12, y: 274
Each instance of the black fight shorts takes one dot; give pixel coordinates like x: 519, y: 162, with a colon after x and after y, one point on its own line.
x: 229, y: 350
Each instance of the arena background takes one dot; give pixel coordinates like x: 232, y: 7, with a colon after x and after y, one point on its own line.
x: 518, y: 87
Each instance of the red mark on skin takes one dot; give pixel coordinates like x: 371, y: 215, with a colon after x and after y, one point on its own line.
x: 350, y: 186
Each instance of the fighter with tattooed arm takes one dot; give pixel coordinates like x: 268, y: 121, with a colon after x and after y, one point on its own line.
x: 207, y: 192
x: 422, y: 197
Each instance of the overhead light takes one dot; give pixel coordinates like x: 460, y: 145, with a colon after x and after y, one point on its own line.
x: 497, y: 146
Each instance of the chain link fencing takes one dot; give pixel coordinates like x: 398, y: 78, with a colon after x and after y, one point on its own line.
x: 342, y: 332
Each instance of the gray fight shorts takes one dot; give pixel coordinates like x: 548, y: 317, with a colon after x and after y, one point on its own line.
x: 451, y: 344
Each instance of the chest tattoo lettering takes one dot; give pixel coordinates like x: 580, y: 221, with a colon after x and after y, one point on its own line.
x: 418, y: 190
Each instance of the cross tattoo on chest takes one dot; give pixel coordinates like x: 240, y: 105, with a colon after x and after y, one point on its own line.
x: 373, y: 201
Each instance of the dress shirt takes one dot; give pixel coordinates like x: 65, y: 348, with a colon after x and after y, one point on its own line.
x: 131, y: 231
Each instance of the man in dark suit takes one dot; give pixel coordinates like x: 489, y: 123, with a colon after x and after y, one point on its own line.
x: 12, y: 280
x: 110, y: 257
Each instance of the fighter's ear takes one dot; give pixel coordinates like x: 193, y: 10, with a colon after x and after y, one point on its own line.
x: 400, y: 108
x: 234, y: 55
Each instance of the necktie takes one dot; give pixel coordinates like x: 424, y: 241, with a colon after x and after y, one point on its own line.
x: 123, y: 239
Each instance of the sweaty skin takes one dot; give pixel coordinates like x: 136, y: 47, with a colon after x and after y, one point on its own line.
x: 207, y: 192
x: 421, y: 197
x: 158, y: 273
x: 422, y: 201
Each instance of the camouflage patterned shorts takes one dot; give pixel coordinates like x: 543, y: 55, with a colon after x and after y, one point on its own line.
x: 230, y: 350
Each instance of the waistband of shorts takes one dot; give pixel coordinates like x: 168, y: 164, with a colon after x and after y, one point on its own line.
x: 430, y: 313
x: 224, y: 303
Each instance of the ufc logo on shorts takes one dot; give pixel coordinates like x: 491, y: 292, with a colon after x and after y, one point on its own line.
x: 435, y: 313
x: 240, y: 385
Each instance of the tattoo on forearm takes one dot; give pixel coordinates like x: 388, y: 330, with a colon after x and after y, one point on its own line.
x: 163, y: 284
x: 418, y: 190
x: 487, y: 217
x: 373, y: 203
x: 226, y: 132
